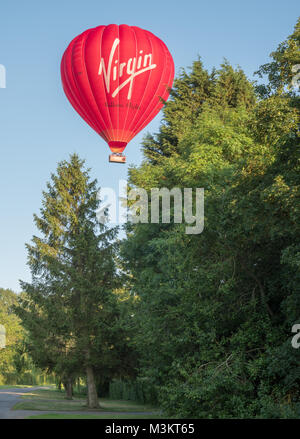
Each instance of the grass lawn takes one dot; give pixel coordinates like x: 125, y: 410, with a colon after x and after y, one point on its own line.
x: 53, y: 399
x: 72, y: 416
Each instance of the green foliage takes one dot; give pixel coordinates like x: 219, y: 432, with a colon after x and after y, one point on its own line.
x: 280, y: 70
x: 214, y: 311
x: 194, y: 93
x: 69, y: 309
x: 16, y: 366
x: 14, y: 333
x: 138, y: 390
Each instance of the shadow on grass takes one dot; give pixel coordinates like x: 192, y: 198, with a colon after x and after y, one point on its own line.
x: 53, y: 399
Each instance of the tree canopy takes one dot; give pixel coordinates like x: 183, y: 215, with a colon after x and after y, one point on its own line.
x: 215, y: 310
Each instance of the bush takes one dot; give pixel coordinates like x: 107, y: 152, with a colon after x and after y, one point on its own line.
x: 139, y: 390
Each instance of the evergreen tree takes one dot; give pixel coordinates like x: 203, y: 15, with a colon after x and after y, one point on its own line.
x: 12, y: 335
x: 69, y: 308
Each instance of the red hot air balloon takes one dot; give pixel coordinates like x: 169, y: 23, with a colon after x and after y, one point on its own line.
x: 117, y: 78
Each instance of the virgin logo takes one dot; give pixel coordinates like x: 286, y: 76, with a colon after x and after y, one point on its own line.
x: 133, y: 67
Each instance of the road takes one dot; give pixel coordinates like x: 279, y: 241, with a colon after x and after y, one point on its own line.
x: 9, y: 397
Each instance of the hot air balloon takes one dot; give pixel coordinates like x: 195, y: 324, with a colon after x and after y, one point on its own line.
x: 117, y: 78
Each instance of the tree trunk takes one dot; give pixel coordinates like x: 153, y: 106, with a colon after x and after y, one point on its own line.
x: 68, y: 385
x: 92, y: 397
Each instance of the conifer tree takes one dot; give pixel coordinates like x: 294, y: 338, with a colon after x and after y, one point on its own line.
x: 69, y: 308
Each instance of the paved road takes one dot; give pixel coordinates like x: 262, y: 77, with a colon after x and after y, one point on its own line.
x: 9, y: 397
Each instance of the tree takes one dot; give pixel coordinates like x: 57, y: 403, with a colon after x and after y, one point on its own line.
x: 280, y: 71
x: 215, y: 310
x: 69, y: 308
x: 16, y: 366
x: 13, y: 333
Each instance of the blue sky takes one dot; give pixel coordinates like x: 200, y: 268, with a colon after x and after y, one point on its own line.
x: 38, y: 127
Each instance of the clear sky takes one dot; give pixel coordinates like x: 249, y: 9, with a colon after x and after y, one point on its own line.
x: 39, y: 128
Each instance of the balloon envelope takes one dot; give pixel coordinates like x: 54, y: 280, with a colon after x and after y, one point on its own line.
x: 117, y: 78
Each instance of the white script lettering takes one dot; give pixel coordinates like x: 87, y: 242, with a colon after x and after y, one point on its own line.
x: 132, y: 68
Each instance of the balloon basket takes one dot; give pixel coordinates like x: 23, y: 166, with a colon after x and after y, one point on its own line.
x: 116, y: 157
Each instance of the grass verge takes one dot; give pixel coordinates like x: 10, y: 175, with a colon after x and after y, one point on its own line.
x: 103, y: 416
x: 53, y: 399
x: 15, y: 386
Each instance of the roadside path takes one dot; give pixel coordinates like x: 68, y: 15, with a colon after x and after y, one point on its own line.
x: 10, y: 397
